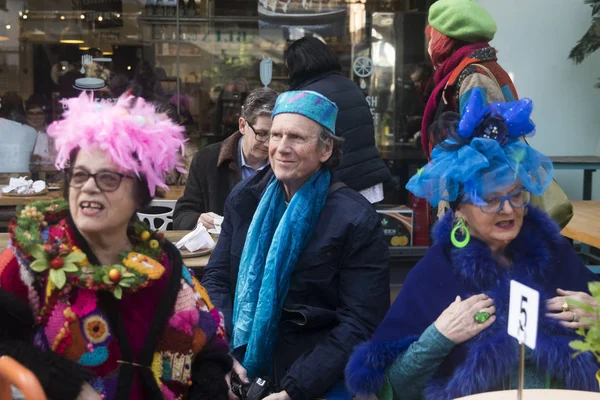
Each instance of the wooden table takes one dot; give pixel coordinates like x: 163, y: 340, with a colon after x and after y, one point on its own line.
x: 535, y: 394
x: 174, y: 193
x: 585, y: 225
x: 173, y: 236
x: 589, y: 164
x: 10, y: 201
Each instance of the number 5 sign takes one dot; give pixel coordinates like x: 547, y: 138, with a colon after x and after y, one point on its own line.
x: 523, y: 313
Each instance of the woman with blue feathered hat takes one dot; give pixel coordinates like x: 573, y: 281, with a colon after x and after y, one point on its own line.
x: 446, y: 334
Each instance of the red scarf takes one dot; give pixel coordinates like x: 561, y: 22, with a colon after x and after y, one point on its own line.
x: 441, y: 77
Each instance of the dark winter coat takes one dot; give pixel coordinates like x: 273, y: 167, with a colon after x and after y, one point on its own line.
x: 362, y: 166
x: 339, y: 289
x: 214, y: 172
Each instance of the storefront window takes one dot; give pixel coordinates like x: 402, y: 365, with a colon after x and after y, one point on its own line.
x: 199, y: 59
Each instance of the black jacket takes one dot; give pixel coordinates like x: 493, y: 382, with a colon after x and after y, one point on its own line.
x: 362, y: 165
x: 339, y: 289
x: 214, y: 172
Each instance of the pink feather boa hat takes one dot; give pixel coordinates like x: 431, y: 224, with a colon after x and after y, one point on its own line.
x: 135, y: 136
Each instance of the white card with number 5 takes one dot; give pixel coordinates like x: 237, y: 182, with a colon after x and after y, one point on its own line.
x: 523, y: 313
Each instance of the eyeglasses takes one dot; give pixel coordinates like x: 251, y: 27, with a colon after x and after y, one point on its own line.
x: 260, y: 136
x: 517, y: 199
x: 107, y: 181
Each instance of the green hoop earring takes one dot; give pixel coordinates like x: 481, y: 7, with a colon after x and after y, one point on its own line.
x: 460, y: 226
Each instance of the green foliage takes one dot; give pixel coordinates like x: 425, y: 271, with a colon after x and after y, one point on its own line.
x: 590, y: 41
x: 590, y: 337
x: 27, y: 230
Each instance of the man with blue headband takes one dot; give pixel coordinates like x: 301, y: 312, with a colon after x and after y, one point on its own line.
x: 301, y: 267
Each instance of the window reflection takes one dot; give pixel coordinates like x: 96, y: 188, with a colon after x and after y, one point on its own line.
x: 198, y: 59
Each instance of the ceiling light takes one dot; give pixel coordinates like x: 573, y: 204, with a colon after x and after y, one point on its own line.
x: 118, y: 15
x: 36, y: 33
x: 62, y: 17
x: 100, y: 18
x: 25, y: 16
x: 82, y: 16
x: 71, y: 34
x: 107, y: 53
x: 85, y: 48
x: 8, y: 26
x: 129, y: 68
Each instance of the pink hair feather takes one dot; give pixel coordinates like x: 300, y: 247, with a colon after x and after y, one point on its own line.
x: 136, y: 137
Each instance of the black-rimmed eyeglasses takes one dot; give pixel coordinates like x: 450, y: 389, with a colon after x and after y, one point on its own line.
x: 260, y: 136
x: 107, y: 181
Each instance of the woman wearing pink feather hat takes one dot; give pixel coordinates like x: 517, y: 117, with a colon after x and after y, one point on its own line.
x: 92, y: 301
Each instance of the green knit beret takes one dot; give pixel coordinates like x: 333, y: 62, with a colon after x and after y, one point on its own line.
x: 464, y: 20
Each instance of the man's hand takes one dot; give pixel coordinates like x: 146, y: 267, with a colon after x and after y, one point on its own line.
x: 208, y: 220
x: 279, y: 396
x: 241, y: 373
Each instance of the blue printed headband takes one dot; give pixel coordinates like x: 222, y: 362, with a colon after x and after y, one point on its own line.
x: 310, y: 104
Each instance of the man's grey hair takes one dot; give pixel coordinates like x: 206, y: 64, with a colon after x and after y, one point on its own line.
x: 258, y: 103
x: 336, y: 155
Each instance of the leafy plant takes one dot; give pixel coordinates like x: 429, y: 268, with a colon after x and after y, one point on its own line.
x: 590, y: 41
x: 591, y: 335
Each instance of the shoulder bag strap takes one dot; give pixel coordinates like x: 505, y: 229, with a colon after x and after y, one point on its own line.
x: 334, y: 187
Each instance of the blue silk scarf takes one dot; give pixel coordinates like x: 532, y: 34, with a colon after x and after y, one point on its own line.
x: 276, y: 238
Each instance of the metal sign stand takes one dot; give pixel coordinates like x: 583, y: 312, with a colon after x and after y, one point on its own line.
x: 521, y: 367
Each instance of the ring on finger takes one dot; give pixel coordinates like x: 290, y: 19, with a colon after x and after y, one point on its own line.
x: 481, y: 316
x: 575, y: 317
x: 565, y: 306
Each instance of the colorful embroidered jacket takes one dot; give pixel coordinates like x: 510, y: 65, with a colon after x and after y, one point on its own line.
x: 140, y: 327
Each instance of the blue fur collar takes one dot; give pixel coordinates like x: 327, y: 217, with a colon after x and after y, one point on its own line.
x: 542, y: 259
x: 533, y: 247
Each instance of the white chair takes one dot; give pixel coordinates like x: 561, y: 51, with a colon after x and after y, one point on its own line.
x: 162, y: 219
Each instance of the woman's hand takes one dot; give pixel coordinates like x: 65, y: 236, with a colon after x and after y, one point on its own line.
x: 241, y: 373
x: 571, y: 316
x: 88, y: 393
x: 457, y: 322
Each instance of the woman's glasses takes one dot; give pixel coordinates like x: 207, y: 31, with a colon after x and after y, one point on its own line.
x: 260, y: 136
x: 517, y: 199
x: 107, y: 181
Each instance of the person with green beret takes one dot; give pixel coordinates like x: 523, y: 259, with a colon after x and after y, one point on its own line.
x: 459, y: 33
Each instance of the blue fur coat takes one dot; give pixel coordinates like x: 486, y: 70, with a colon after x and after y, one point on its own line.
x: 542, y: 259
